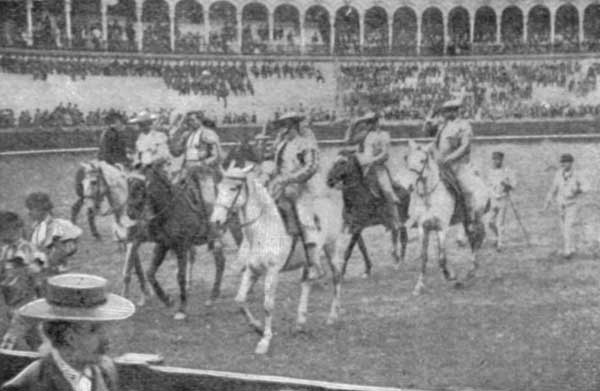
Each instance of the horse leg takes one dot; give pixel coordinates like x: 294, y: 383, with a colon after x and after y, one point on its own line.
x: 127, y: 269
x: 424, y: 239
x: 219, y: 269
x: 249, y: 278
x: 303, y: 303
x: 271, y: 280
x: 141, y: 276
x: 91, y: 217
x: 160, y: 251
x: 191, y: 259
x: 395, y: 234
x: 363, y: 249
x: 235, y: 229
x: 442, y: 257
x: 348, y: 251
x: 76, y: 208
x: 181, y: 252
x: 403, y: 242
x: 331, y: 253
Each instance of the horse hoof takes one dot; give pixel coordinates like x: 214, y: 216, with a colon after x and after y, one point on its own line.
x: 180, y: 316
x: 331, y: 320
x: 299, y: 328
x: 169, y: 302
x: 209, y: 302
x: 418, y: 291
x: 366, y: 275
x: 262, y: 347
x: 142, y: 301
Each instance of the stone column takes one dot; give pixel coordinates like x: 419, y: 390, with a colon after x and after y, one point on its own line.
x: 332, y: 34
x: 69, y: 32
x: 238, y: 17
x: 302, y: 33
x: 525, y: 21
x: 390, y: 33
x: 139, y: 34
x: 472, y: 27
x: 104, y: 18
x: 499, y: 26
x: 172, y: 25
x: 29, y: 8
x: 419, y: 34
x: 361, y: 30
x: 206, y: 17
x: 446, y: 22
x: 271, y: 26
x: 580, y: 15
x: 552, y: 26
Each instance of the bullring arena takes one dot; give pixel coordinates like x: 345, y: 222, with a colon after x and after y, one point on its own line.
x: 528, y: 71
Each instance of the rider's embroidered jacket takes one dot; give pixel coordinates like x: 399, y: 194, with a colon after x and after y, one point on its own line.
x: 203, y: 145
x: 451, y: 136
x: 297, y: 161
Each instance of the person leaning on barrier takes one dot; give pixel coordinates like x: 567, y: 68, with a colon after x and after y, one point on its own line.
x: 73, y: 317
x: 567, y: 187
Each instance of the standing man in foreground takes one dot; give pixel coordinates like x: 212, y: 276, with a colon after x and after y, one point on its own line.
x: 502, y: 181
x: 567, y: 188
x: 73, y: 317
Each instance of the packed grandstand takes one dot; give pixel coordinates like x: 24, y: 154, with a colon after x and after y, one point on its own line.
x: 74, y: 61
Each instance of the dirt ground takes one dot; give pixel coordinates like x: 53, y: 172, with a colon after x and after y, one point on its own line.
x: 528, y: 322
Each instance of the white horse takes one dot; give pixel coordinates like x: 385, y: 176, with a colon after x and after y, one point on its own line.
x: 266, y: 245
x: 433, y: 208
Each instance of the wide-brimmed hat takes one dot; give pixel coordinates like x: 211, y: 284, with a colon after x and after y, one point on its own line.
x: 566, y: 158
x: 143, y: 117
x: 78, y: 298
x: 289, y: 116
x: 454, y: 103
x: 40, y: 201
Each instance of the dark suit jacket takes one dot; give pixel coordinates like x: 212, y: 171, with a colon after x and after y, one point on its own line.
x: 44, y: 375
x: 112, y: 147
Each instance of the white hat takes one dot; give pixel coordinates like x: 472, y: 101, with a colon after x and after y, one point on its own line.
x: 143, y: 116
x: 453, y: 103
x: 290, y: 115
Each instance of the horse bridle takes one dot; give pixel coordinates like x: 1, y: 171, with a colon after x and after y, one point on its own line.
x: 421, y: 178
x: 230, y: 208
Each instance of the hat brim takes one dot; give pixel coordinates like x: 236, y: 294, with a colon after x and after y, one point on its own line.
x: 115, y: 308
x: 296, y: 118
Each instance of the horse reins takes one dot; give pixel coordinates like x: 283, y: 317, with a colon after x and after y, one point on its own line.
x: 422, y: 179
x: 229, y: 208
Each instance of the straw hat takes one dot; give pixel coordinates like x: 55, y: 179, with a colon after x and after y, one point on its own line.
x: 143, y: 116
x: 78, y: 298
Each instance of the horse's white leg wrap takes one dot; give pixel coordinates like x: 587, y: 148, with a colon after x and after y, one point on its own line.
x: 333, y: 251
x: 424, y: 239
x: 303, y: 303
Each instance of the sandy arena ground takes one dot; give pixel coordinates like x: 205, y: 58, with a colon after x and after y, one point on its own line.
x: 528, y: 322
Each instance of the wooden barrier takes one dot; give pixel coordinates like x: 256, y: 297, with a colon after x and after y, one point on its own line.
x: 142, y: 377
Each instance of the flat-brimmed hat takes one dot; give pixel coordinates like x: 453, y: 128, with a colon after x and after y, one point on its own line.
x: 143, y: 117
x: 39, y: 201
x: 289, y: 116
x: 78, y: 298
x: 566, y: 158
x: 452, y: 104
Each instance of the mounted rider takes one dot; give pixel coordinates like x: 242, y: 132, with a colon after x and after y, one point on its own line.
x: 151, y: 146
x: 296, y: 180
x: 112, y: 148
x: 373, y: 155
x: 202, y: 155
x: 452, y: 149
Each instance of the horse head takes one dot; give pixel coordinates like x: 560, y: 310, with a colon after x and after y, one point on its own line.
x: 232, y: 193
x: 345, y: 169
x: 91, y: 182
x: 420, y: 162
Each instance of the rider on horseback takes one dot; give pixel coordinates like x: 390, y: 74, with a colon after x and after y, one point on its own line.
x: 151, y: 147
x: 297, y: 162
x: 112, y: 147
x: 203, y: 154
x: 452, y: 149
x: 373, y: 156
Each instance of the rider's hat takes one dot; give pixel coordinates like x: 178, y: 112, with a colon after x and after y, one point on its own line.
x: 369, y: 117
x: 78, y: 298
x: 290, y: 116
x: 453, y: 104
x: 143, y: 117
x: 566, y: 158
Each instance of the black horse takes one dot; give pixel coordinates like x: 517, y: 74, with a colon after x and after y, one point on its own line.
x: 365, y: 207
x: 174, y: 222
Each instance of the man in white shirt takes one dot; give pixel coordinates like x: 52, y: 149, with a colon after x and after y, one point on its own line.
x: 502, y: 181
x: 567, y: 188
x: 151, y: 146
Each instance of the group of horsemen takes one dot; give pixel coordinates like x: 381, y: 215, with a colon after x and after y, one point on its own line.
x: 296, y: 157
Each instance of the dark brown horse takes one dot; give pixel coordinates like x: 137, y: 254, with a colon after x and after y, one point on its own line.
x: 176, y: 223
x: 364, y: 208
